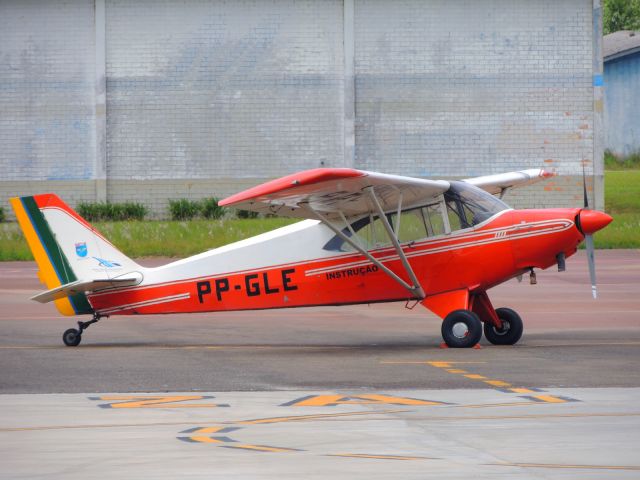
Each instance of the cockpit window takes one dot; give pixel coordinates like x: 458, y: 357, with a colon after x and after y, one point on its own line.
x: 466, y: 206
x: 372, y: 234
x: 418, y: 223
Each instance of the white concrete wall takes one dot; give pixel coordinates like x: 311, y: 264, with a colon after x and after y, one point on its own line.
x: 223, y: 89
x: 47, y: 73
x: 472, y: 88
x: 207, y: 97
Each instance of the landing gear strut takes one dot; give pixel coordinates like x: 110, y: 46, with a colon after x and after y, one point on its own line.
x: 73, y: 337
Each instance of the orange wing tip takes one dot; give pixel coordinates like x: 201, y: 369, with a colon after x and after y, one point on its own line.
x: 307, y: 177
x: 546, y: 173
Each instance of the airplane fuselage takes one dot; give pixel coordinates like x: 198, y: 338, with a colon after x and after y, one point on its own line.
x: 292, y: 267
x: 373, y: 238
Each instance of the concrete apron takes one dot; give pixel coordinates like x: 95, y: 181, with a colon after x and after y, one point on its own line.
x: 484, y: 433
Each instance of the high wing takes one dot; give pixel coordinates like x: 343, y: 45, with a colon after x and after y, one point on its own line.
x: 332, y: 195
x: 334, y: 192
x: 503, y: 181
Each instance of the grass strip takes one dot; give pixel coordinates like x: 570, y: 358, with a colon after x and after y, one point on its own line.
x: 622, y: 202
x: 155, y: 238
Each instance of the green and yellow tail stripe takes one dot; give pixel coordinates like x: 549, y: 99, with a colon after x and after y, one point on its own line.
x: 54, y: 266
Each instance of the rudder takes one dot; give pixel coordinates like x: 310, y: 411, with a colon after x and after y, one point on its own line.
x: 66, y: 248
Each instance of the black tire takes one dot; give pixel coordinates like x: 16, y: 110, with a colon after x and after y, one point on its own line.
x: 511, y: 330
x: 461, y: 329
x: 71, y: 337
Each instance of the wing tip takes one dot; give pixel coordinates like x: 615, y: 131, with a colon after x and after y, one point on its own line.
x: 547, y: 173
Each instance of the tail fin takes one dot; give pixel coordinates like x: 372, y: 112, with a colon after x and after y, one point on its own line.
x: 67, y: 249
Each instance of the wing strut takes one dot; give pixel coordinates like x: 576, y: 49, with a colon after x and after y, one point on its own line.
x: 415, y: 289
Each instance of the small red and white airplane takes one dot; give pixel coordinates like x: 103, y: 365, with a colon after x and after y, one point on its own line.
x: 368, y: 237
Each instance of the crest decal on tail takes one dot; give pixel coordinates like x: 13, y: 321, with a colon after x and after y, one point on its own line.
x: 107, y: 263
x: 81, y: 249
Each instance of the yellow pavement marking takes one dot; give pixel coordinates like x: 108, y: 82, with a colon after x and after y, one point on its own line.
x: 362, y: 399
x: 448, y: 364
x: 497, y: 383
x: 494, y: 383
x: 320, y: 416
x: 135, y: 401
x: 521, y: 390
x: 205, y: 439
x: 377, y: 457
x: 209, y: 429
x: 197, y: 435
x: 554, y: 465
x: 439, y: 364
x: 261, y: 448
x: 549, y: 399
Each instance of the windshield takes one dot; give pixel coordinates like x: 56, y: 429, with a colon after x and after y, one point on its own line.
x: 468, y: 205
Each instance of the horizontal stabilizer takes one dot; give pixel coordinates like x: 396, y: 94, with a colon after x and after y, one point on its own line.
x: 81, y: 286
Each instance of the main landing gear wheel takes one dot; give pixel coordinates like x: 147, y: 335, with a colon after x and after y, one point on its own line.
x: 461, y: 329
x: 72, y: 337
x: 511, y: 330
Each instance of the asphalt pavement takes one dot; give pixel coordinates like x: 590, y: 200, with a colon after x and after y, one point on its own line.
x: 352, y: 392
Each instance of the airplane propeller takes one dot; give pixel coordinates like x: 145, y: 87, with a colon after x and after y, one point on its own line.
x: 589, y: 241
x: 589, y: 222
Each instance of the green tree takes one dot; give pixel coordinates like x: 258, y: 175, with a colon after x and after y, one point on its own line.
x: 620, y: 15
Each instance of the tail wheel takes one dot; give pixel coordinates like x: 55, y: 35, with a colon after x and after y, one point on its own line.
x: 461, y: 329
x: 511, y: 330
x: 72, y: 337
